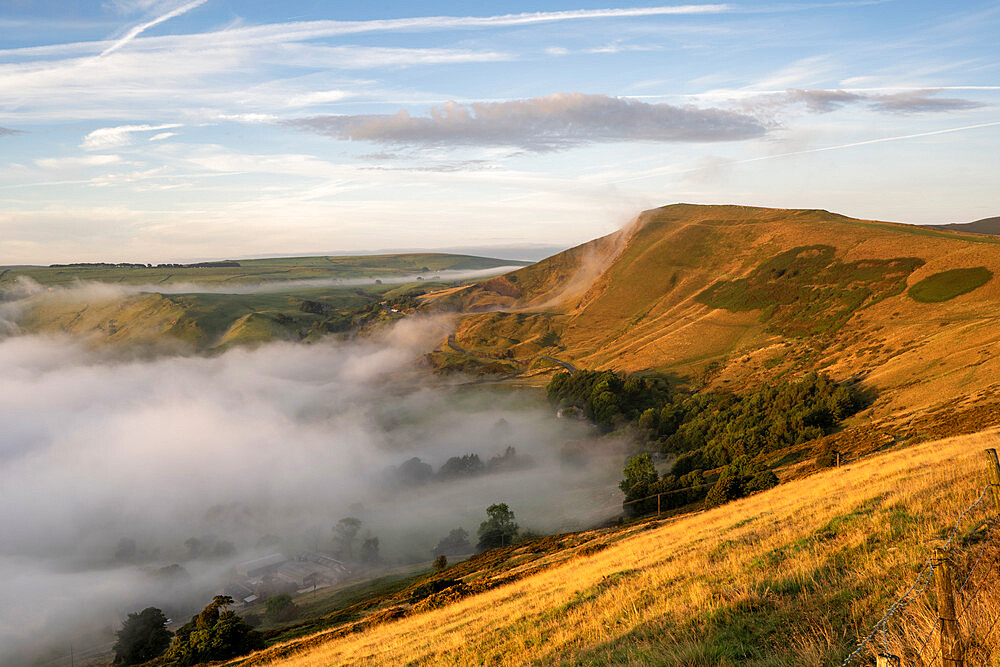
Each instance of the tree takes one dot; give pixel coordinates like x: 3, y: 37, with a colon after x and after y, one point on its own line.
x: 344, y: 535
x: 457, y: 542
x: 441, y: 562
x: 639, y: 473
x: 369, y: 551
x: 499, y: 529
x: 143, y: 636
x: 216, y: 633
x: 414, y: 472
x: 195, y: 547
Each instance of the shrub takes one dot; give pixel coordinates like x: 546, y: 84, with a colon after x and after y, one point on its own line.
x: 762, y: 481
x: 727, y: 488
x: 280, y: 608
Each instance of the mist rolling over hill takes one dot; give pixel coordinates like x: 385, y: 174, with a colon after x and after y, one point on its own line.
x: 355, y: 399
x: 280, y: 442
x: 407, y: 333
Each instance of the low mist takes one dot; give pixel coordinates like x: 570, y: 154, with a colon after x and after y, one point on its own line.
x: 110, y: 465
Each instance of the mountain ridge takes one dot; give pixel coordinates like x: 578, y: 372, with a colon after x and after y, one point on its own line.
x: 839, y: 303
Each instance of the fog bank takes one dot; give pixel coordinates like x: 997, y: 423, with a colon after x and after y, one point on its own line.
x: 281, y: 441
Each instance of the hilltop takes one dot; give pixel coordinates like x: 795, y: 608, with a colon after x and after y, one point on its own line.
x: 984, y: 226
x: 733, y: 296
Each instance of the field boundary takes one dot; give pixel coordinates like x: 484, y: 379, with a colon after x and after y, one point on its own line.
x: 951, y: 606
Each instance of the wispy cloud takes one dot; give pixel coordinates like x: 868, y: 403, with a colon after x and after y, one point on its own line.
x: 540, y: 124
x: 61, y: 163
x: 113, y: 137
x: 659, y: 172
x: 920, y: 101
x: 826, y: 101
x: 6, y: 132
x: 139, y: 29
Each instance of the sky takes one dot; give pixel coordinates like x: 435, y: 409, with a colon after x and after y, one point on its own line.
x: 176, y: 130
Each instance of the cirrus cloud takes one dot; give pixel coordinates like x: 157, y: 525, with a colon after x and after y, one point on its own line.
x: 547, y: 123
x: 113, y: 137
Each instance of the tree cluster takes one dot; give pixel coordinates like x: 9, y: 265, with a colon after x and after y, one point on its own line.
x: 345, y: 536
x: 216, y: 633
x: 415, y: 472
x: 457, y: 542
x: 708, y: 431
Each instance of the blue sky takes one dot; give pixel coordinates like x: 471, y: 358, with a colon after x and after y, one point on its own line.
x: 165, y: 130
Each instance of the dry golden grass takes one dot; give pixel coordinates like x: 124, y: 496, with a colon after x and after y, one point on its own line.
x: 641, y: 312
x: 790, y: 576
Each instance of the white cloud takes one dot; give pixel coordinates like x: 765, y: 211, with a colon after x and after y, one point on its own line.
x: 317, y: 97
x: 113, y: 137
x: 162, y: 135
x: 62, y: 163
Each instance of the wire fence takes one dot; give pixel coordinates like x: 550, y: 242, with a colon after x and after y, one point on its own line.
x: 959, y: 615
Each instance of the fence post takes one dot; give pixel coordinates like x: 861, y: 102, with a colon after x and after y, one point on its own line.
x: 991, y: 455
x: 952, y: 652
x: 886, y: 660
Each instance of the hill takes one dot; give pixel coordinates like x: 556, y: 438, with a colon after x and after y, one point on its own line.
x: 794, y: 575
x: 734, y: 296
x: 984, y: 226
x: 219, y: 304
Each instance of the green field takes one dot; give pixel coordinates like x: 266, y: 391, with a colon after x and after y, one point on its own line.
x: 946, y: 285
x: 255, y: 271
x: 244, y: 301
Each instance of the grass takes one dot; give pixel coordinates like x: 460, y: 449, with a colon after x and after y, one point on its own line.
x: 794, y: 575
x: 215, y: 320
x: 807, y: 290
x: 946, y: 285
x: 251, y: 271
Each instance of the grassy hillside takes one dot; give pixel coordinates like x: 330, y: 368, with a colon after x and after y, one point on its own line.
x: 255, y: 271
x: 794, y: 575
x: 270, y: 299
x: 730, y: 295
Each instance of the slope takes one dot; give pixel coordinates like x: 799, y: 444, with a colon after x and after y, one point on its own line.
x: 984, y: 226
x: 730, y: 295
x: 233, y: 302
x: 794, y: 575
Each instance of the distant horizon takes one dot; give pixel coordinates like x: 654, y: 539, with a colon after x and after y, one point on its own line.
x: 526, y: 252
x: 163, y: 129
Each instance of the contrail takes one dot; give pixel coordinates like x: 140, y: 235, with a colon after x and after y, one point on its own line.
x: 139, y: 29
x: 815, y: 150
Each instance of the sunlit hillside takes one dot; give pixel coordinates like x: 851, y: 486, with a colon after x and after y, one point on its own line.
x: 731, y: 295
x: 794, y: 575
x: 214, y: 305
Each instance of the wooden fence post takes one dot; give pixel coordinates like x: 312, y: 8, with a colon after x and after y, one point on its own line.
x: 886, y: 660
x: 658, y: 496
x: 991, y: 455
x: 952, y: 652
